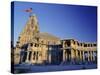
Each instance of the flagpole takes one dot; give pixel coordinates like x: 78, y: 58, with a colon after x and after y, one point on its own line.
x: 29, y: 11
x: 30, y: 14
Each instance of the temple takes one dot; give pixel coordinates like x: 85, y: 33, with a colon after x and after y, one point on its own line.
x: 35, y: 47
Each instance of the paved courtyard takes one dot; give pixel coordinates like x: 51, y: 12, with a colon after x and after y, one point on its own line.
x: 34, y: 68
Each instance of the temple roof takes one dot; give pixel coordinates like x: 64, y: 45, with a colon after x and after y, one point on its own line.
x: 47, y: 36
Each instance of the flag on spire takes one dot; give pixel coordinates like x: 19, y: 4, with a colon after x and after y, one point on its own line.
x: 28, y: 10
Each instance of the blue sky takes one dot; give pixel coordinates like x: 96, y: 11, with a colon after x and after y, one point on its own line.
x: 64, y: 21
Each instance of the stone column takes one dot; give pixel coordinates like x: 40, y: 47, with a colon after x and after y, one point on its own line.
x: 83, y: 58
x: 91, y: 56
x: 80, y: 55
x: 36, y: 56
x: 88, y: 56
x: 32, y: 57
x: 40, y: 56
x: 64, y: 56
x: 27, y: 60
x: 77, y: 57
x: 49, y: 56
x: 72, y: 56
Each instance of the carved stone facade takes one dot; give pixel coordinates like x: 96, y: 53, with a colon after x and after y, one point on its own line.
x: 35, y: 47
x: 75, y: 51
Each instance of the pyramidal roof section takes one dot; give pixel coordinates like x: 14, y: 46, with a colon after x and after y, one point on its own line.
x: 46, y: 35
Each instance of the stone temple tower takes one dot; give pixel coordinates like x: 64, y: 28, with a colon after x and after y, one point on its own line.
x: 32, y: 45
x: 29, y: 31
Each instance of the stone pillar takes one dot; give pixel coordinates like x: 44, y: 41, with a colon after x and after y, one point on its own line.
x: 91, y: 55
x: 72, y: 56
x: 88, y: 56
x: 49, y: 56
x: 80, y: 55
x: 32, y: 57
x: 36, y: 56
x: 83, y: 58
x: 77, y: 57
x: 40, y: 56
x: 27, y: 57
x: 64, y: 56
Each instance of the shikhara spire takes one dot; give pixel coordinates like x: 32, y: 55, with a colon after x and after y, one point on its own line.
x: 30, y: 29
